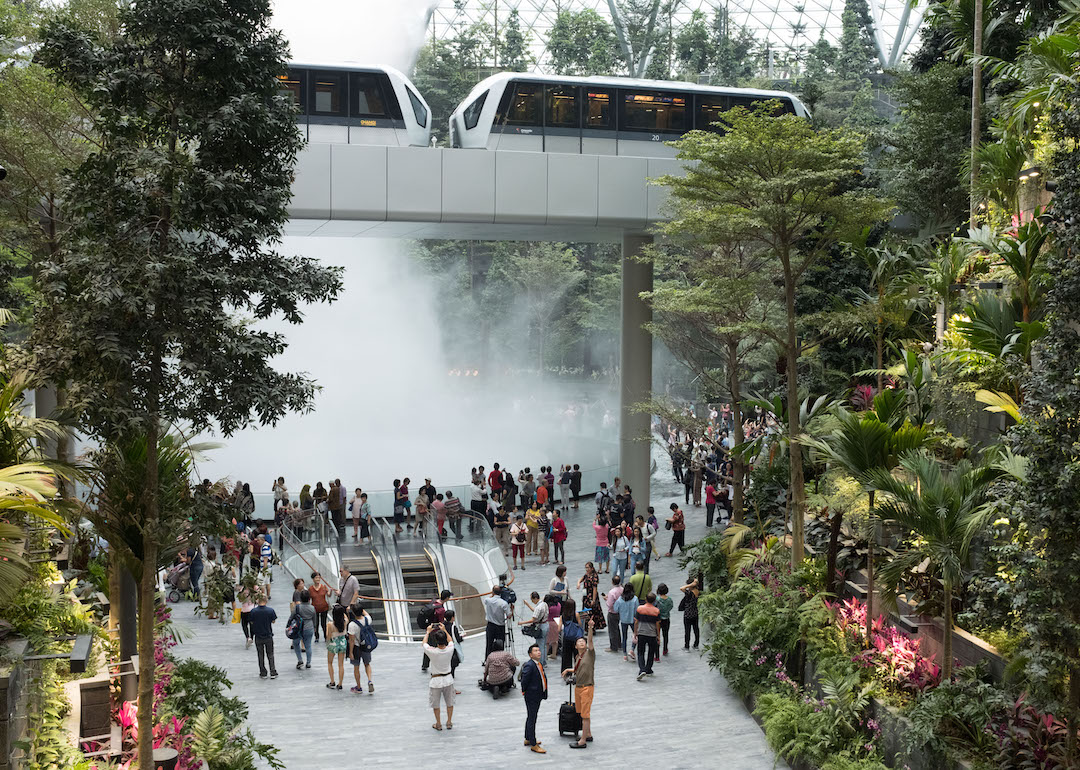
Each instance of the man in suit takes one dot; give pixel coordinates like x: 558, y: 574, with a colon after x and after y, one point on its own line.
x: 534, y: 689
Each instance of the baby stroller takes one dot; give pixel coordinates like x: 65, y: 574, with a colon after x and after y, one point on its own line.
x: 178, y: 582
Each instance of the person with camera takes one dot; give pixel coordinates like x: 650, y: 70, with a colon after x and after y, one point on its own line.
x: 441, y: 686
x: 677, y: 524
x: 582, y: 677
x: 536, y: 625
x: 496, y: 611
x: 535, y: 690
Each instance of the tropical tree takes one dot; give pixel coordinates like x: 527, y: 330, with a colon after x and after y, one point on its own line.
x: 582, y: 43
x: 998, y: 177
x: 942, y: 511
x: 174, y: 222
x: 950, y: 261
x: 1021, y: 253
x: 775, y: 182
x: 861, y: 444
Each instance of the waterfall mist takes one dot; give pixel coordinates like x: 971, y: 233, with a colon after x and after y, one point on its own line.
x: 364, y: 31
x: 391, y: 403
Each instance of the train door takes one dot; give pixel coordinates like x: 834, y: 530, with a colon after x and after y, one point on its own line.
x: 598, y: 135
x: 519, y: 124
x: 562, y: 118
x: 327, y: 106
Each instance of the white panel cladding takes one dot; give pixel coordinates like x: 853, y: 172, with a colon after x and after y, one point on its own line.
x: 658, y: 194
x: 311, y: 183
x: 521, y: 180
x: 572, y: 189
x: 414, y: 184
x: 622, y: 199
x: 358, y: 182
x: 468, y: 186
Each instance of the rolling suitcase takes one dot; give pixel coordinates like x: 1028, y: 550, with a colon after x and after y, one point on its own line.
x: 569, y: 719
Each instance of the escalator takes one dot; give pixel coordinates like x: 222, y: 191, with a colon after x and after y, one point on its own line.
x: 418, y: 573
x: 365, y: 568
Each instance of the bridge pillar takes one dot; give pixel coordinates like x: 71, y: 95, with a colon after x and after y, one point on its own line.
x: 635, y: 363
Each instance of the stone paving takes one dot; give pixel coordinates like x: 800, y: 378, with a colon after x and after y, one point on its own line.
x: 684, y: 717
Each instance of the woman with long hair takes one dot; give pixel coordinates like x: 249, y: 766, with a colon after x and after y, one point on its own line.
x: 336, y: 643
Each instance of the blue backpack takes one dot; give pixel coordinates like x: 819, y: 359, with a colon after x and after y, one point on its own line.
x: 368, y: 639
x: 572, y: 632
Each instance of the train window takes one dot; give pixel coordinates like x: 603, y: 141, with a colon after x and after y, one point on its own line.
x: 294, y: 84
x: 418, y: 108
x: 598, y: 110
x: 328, y: 93
x: 524, y: 105
x: 786, y: 107
x: 561, y: 110
x: 472, y: 112
x: 652, y: 111
x: 710, y: 109
x: 367, y: 96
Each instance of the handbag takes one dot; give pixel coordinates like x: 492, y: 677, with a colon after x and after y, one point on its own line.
x: 667, y: 525
x: 236, y: 615
x: 531, y: 629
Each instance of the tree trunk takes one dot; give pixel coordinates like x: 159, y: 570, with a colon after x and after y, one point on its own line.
x: 830, y: 559
x: 870, y: 573
x: 797, y: 491
x: 738, y: 465
x: 976, y: 106
x: 147, y: 594
x: 946, y: 646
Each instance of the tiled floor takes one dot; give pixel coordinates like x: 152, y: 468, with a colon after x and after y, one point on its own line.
x: 684, y: 717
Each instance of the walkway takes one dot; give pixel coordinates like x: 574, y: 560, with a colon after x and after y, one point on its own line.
x: 684, y: 717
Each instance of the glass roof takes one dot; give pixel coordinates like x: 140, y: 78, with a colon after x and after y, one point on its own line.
x: 785, y: 24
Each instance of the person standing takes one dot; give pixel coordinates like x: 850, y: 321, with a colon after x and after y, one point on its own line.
x: 543, y: 535
x: 532, y: 527
x: 355, y: 506
x: 399, y: 507
x: 518, y: 536
x: 441, y: 687
x: 306, y: 613
x: 614, y: 628
x: 502, y: 527
x: 626, y: 608
x: 453, y: 514
x: 539, y: 617
x: 528, y: 489
x: 262, y: 628
x: 564, y: 487
x: 438, y: 615
x: 640, y: 582
x: 337, y: 643
x: 646, y: 621
x: 350, y: 588
x: 575, y: 484
x: 584, y: 681
x: 558, y: 537
x: 336, y: 502
x: 496, y: 611
x: 247, y: 596
x: 664, y: 604
x: 710, y: 502
x: 495, y: 482
x: 678, y: 530
x: 559, y: 585
x: 689, y: 606
x: 193, y: 557
x: 603, y: 552
x: 534, y: 689
x: 648, y: 535
x: 320, y: 592
x: 429, y: 491
x: 622, y: 551
x: 359, y: 627
x: 403, y: 490
x: 543, y: 491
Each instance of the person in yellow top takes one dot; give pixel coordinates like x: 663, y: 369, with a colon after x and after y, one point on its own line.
x: 532, y: 524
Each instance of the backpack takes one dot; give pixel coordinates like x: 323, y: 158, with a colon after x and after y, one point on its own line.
x: 604, y: 503
x: 294, y: 626
x: 426, y: 616
x: 572, y: 632
x: 368, y: 639
x: 508, y: 595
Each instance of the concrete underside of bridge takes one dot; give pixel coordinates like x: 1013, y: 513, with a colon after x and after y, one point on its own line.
x: 348, y: 190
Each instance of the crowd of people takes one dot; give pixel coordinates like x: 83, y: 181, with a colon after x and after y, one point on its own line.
x: 526, y: 512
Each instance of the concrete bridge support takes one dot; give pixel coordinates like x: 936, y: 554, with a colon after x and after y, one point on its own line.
x: 635, y: 385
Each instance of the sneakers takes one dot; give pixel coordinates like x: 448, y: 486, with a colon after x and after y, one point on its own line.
x: 355, y: 689
x: 370, y: 686
x: 641, y: 675
x: 248, y: 644
x: 331, y: 686
x: 262, y: 676
x: 273, y: 674
x: 299, y: 666
x: 307, y: 665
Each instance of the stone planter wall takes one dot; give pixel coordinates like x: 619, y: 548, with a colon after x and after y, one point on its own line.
x: 14, y: 697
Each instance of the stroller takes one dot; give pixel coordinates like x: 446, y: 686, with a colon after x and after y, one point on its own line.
x: 178, y: 582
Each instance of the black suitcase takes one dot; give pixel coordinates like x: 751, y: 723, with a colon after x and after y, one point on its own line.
x: 569, y: 719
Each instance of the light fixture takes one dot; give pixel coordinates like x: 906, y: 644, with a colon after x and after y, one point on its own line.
x: 1030, y: 173
x: 1035, y: 104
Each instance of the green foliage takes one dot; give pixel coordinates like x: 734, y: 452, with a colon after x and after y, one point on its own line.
x: 953, y: 717
x: 514, y: 46
x: 927, y: 146
x: 708, y: 557
x: 221, y: 749
x: 446, y: 71
x: 40, y: 615
x: 583, y: 43
x: 196, y: 686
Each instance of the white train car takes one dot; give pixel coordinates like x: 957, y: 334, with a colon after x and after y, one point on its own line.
x: 351, y: 104
x: 594, y: 116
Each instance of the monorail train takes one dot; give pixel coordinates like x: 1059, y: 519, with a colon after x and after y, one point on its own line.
x: 350, y: 104
x: 594, y: 116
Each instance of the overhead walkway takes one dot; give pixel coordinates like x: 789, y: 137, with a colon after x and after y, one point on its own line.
x: 399, y: 572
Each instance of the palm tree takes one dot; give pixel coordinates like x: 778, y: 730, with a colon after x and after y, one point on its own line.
x: 943, y: 511
x: 949, y: 263
x: 1021, y: 253
x: 998, y: 177
x: 860, y: 445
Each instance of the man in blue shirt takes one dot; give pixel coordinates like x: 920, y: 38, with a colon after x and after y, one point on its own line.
x: 262, y: 619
